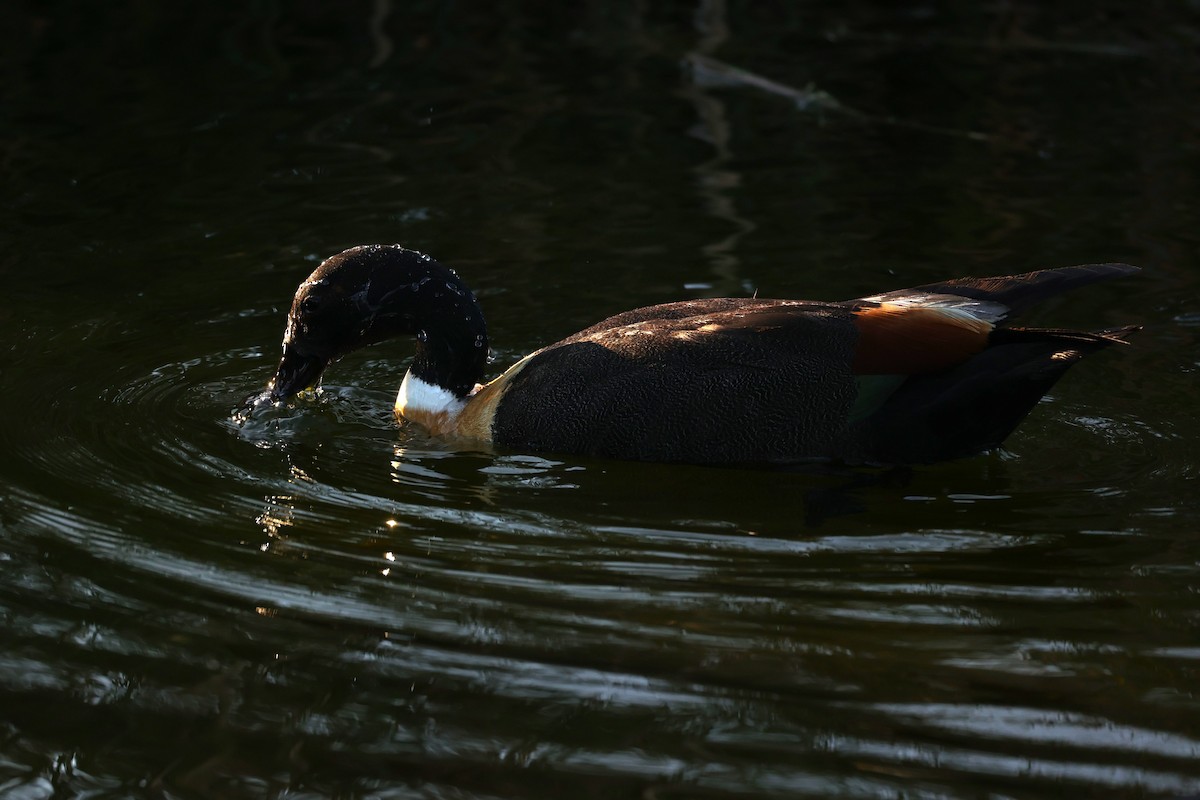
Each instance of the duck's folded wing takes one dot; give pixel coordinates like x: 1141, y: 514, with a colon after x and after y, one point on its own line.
x: 766, y: 382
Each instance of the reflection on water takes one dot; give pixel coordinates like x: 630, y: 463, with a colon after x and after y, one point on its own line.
x: 313, y: 601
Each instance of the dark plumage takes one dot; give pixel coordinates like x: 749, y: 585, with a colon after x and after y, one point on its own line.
x: 910, y: 376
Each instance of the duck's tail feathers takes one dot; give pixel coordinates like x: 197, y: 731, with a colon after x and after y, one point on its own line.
x: 1086, y: 341
x: 1019, y: 292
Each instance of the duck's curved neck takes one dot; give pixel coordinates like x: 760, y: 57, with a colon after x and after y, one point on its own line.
x: 452, y: 341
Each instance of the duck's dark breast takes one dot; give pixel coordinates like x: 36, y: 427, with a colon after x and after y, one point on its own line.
x: 704, y: 382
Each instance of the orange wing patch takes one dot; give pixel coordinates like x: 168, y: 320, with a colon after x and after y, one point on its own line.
x: 899, y: 339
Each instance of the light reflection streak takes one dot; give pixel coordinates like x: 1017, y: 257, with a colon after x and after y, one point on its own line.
x: 279, y: 513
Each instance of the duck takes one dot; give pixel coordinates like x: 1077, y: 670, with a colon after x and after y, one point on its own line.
x: 904, y: 377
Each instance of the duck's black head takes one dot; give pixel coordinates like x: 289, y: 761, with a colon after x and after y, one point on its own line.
x: 367, y: 294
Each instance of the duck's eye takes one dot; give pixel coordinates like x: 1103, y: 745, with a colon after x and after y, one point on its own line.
x: 310, y: 304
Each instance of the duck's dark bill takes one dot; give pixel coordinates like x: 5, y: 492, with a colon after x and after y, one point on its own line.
x: 296, y: 373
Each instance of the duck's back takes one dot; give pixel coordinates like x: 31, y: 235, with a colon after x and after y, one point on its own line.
x: 707, y: 381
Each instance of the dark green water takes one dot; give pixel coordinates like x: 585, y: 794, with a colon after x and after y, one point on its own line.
x: 320, y: 604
